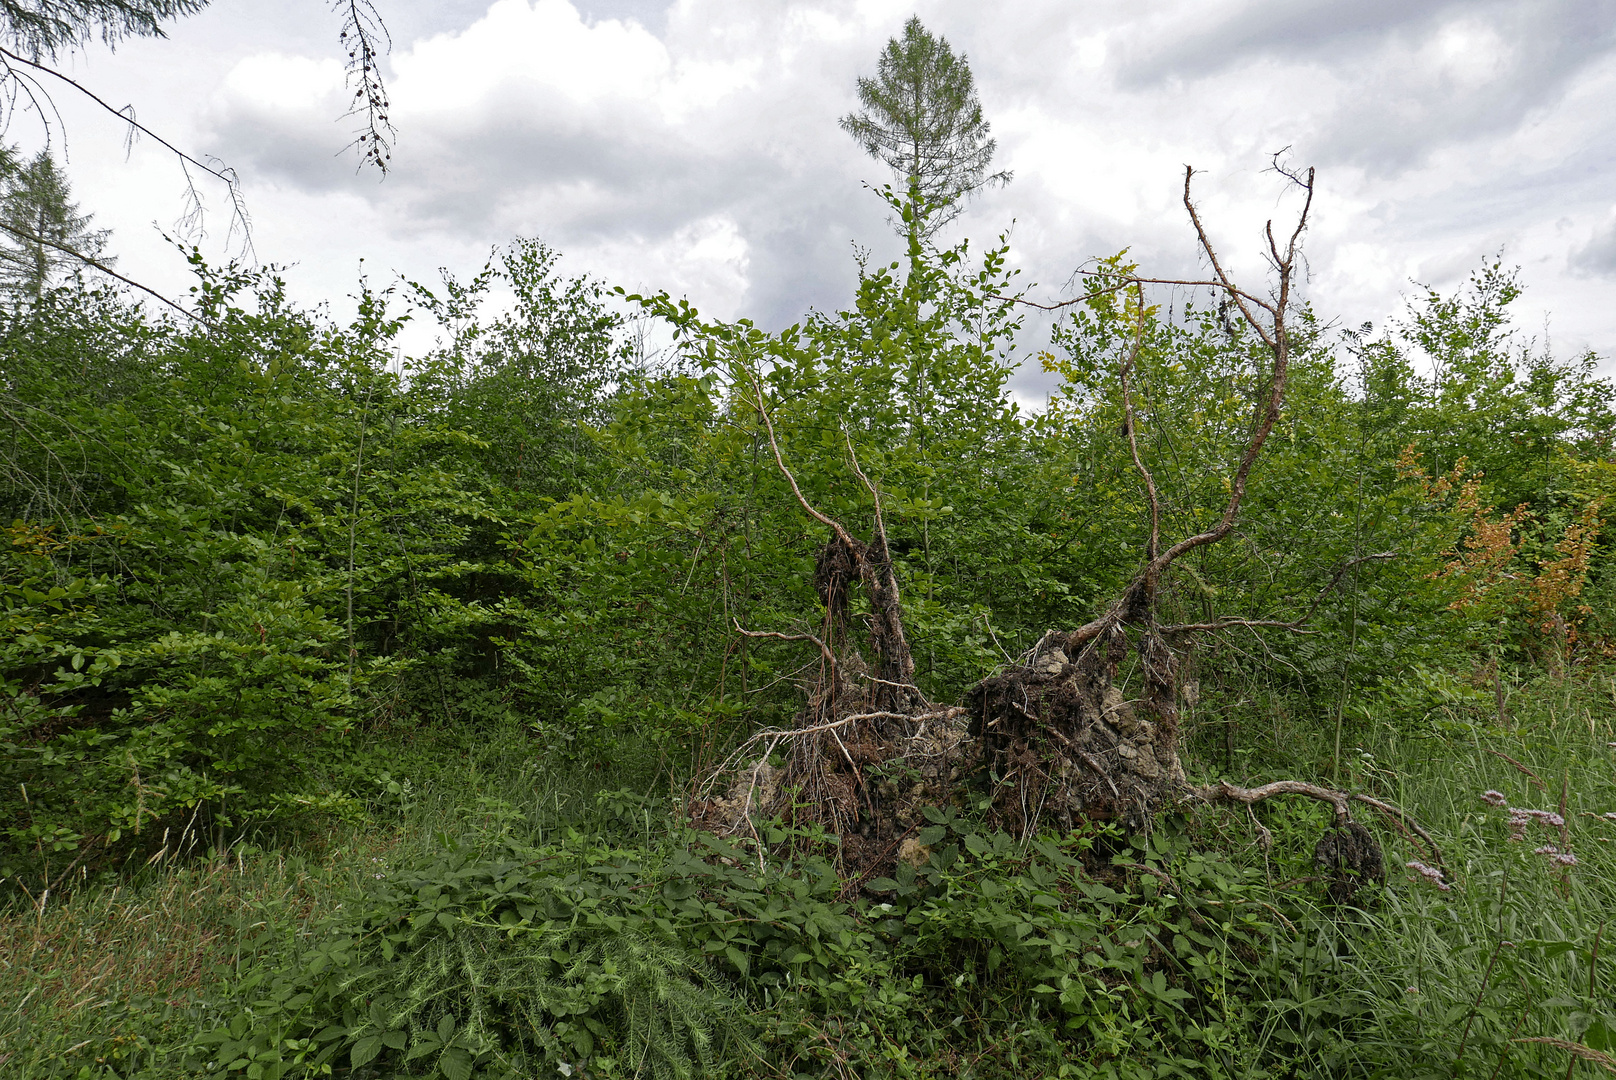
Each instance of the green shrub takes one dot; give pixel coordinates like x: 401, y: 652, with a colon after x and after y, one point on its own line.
x: 507, y: 953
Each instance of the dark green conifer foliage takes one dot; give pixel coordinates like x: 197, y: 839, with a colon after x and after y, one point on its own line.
x: 41, y: 227
x: 923, y: 119
x: 43, y: 28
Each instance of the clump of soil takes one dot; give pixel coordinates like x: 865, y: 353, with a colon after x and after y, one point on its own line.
x: 866, y: 783
x: 867, y: 751
x: 1350, y: 857
x: 1062, y: 744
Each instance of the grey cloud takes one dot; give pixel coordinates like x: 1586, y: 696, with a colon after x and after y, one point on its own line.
x: 652, y: 14
x: 609, y: 179
x: 1597, y: 258
x: 466, y: 176
x: 804, y: 258
x: 408, y: 20
x: 1338, y: 32
x: 1326, y: 49
x: 773, y: 161
x: 1282, y: 28
x: 1406, y: 122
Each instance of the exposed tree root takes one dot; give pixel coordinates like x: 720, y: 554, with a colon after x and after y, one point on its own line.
x: 868, y: 750
x: 1062, y: 744
x: 1348, y: 853
x: 1054, y: 736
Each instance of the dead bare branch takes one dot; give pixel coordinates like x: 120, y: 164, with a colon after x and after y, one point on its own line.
x: 1275, y: 335
x: 824, y: 650
x: 779, y: 460
x: 238, y: 208
x: 1340, y: 800
x: 105, y: 269
x: 1126, y: 282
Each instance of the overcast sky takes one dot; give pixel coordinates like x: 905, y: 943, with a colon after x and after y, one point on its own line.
x: 693, y: 145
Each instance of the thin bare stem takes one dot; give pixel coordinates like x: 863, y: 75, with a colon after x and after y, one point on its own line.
x: 1296, y: 624
x: 103, y: 268
x: 1475, y: 1005
x: 1132, y: 427
x: 353, y: 524
x: 1128, y: 282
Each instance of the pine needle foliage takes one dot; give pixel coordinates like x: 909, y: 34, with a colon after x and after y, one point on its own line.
x: 45, y: 28
x: 41, y: 228
x: 923, y: 119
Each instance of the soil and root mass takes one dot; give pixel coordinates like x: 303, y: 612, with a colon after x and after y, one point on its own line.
x: 1083, y: 728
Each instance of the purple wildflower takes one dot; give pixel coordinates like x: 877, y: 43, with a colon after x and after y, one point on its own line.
x: 1429, y: 873
x: 1520, y: 818
x: 1556, y: 856
x: 1518, y: 821
x: 1493, y: 798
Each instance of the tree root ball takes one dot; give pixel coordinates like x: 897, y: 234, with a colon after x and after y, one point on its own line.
x: 1350, y: 857
x: 1063, y: 745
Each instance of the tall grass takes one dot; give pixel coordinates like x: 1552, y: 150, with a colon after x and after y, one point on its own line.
x: 118, y: 978
x: 1505, y: 973
x: 113, y: 978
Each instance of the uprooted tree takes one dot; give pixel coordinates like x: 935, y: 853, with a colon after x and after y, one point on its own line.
x: 1054, y: 737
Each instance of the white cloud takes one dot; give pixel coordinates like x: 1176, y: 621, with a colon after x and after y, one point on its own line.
x: 694, y: 146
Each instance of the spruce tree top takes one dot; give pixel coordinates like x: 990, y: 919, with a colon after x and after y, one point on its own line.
x: 922, y: 118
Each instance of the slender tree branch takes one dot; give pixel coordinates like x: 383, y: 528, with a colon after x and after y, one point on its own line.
x: 1340, y: 800
x: 232, y: 183
x: 830, y: 657
x: 780, y: 461
x: 1128, y: 282
x: 1240, y: 298
x: 939, y: 714
x: 105, y: 269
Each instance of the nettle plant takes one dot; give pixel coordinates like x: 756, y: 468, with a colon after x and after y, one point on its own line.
x: 613, y: 946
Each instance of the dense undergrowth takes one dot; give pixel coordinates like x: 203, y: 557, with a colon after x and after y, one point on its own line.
x: 498, y: 918
x: 349, y: 702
